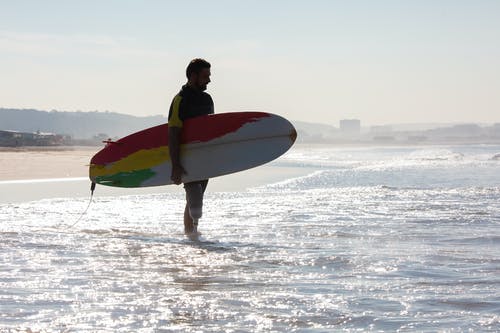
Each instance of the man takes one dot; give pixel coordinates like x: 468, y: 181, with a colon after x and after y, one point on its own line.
x: 191, y: 101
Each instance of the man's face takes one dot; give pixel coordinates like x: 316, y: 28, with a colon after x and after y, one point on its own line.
x: 202, y: 79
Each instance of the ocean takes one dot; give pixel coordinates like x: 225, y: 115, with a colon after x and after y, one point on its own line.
x: 386, y: 239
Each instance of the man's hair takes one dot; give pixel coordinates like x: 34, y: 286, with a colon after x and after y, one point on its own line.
x: 195, y: 66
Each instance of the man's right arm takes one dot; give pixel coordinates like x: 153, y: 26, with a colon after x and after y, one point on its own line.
x: 174, y: 139
x: 174, y: 147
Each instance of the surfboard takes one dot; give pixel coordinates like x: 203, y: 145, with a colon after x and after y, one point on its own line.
x: 211, y: 146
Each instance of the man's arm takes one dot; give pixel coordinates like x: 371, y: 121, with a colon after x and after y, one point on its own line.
x: 174, y: 147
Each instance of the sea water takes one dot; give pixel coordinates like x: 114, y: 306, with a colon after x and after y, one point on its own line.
x: 368, y: 239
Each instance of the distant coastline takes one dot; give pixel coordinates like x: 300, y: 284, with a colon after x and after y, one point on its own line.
x: 50, y: 148
x: 37, y: 127
x: 23, y: 128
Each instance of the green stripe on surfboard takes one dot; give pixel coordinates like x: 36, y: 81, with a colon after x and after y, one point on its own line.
x: 126, y: 179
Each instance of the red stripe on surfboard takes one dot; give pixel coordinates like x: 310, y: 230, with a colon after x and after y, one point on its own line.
x: 195, y: 130
x: 220, y: 125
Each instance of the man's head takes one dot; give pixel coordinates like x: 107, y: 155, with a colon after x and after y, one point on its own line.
x: 198, y: 73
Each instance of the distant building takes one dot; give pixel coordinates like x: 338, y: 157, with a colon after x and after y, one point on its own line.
x: 350, y: 126
x: 417, y: 138
x: 17, y: 139
x: 384, y: 138
x: 466, y: 130
x: 495, y: 130
x: 382, y: 129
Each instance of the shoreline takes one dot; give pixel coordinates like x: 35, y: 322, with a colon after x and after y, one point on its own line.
x: 26, y: 190
x: 39, y: 173
x: 40, y: 162
x: 48, y: 148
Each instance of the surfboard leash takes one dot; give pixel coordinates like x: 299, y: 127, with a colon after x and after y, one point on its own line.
x: 92, y: 188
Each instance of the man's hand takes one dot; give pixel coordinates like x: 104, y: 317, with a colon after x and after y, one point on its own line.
x: 177, y: 172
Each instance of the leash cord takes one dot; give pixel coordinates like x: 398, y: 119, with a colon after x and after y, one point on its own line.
x: 92, y: 188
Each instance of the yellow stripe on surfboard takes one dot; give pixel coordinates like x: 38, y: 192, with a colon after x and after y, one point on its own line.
x: 142, y: 159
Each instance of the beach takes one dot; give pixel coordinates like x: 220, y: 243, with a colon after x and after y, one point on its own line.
x: 44, y: 162
x: 33, y: 173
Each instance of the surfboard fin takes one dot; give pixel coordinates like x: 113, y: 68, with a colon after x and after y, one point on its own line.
x: 111, y: 142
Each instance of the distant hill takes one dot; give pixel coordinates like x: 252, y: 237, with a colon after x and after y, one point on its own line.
x: 86, y: 125
x: 79, y: 125
x: 95, y: 126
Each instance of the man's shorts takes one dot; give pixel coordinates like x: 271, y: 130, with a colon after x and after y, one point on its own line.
x: 194, y: 193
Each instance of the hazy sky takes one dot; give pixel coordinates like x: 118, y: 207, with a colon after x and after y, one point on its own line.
x: 318, y: 61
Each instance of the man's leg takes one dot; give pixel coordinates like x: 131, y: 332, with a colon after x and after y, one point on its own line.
x: 194, y: 204
x: 188, y: 221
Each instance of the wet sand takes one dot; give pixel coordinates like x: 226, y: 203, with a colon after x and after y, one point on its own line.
x: 35, y: 173
x: 44, y: 162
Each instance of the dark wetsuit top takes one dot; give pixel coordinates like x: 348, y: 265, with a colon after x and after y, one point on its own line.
x: 189, y: 103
